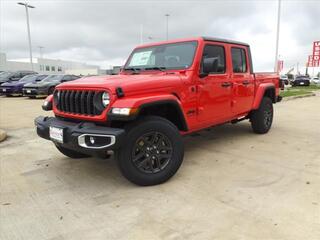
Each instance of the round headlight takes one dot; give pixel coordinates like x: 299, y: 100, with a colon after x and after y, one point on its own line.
x: 105, y: 99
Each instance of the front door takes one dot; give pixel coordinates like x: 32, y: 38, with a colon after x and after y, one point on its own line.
x: 215, y: 89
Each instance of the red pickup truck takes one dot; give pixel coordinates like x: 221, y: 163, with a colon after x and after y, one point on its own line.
x: 165, y: 90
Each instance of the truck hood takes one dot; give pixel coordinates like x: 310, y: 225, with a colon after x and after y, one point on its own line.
x: 38, y: 84
x: 129, y: 83
x: 12, y: 84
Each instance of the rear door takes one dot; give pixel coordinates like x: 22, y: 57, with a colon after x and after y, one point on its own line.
x: 243, y: 81
x: 215, y: 89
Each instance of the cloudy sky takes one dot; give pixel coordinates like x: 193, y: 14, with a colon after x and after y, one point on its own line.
x: 104, y: 32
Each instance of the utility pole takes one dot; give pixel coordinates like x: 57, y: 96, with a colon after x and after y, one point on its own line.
x: 40, y: 51
x: 28, y: 28
x: 167, y: 27
x: 277, y: 37
x: 141, y: 34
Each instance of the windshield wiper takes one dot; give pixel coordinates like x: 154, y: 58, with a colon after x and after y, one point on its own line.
x: 135, y: 70
x: 162, y: 69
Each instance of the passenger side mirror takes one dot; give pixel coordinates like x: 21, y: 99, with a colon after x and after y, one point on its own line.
x: 209, y: 65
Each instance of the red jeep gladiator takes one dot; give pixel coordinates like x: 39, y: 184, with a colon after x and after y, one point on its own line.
x: 165, y: 90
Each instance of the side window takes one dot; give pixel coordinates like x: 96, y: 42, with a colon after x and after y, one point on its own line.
x: 17, y: 75
x: 239, y: 61
x: 66, y: 78
x: 215, y: 51
x: 53, y: 69
x: 47, y: 68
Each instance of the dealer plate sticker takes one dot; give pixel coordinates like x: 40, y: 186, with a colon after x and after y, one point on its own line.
x: 56, y: 134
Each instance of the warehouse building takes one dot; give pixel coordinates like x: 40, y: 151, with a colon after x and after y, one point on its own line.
x: 49, y: 66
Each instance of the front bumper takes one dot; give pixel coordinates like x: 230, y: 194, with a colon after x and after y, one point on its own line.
x: 8, y: 91
x: 34, y: 92
x: 75, y: 134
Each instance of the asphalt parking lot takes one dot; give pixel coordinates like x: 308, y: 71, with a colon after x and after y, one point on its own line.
x: 233, y: 184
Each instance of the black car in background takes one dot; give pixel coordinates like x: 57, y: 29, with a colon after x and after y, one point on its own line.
x: 300, y: 80
x: 284, y: 79
x: 14, y: 76
x: 47, y: 85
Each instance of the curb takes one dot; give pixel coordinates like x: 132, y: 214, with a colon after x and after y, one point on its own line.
x: 3, y: 135
x: 299, y: 96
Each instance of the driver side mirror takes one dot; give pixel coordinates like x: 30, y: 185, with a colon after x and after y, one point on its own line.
x: 209, y: 65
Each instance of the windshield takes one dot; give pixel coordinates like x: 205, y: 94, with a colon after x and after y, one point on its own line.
x: 28, y: 78
x: 166, y: 56
x: 52, y: 78
x: 5, y: 75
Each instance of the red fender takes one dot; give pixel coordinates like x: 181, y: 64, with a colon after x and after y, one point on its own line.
x: 260, y: 93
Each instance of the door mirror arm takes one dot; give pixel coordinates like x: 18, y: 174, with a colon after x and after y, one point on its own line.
x: 203, y: 75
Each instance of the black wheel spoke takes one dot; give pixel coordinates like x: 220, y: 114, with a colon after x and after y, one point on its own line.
x: 143, y: 163
x: 138, y: 156
x: 152, y: 152
x: 164, y: 155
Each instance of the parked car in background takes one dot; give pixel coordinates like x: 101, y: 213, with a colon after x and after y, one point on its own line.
x: 47, y: 85
x: 316, y: 80
x: 15, y: 87
x: 284, y: 79
x: 14, y: 76
x: 300, y: 80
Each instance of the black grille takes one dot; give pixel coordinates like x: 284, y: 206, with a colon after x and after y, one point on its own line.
x: 79, y: 102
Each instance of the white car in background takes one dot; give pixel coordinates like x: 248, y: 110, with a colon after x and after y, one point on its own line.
x: 316, y: 80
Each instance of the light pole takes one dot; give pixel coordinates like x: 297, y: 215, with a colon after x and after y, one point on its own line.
x: 28, y: 27
x: 277, y: 37
x: 40, y: 51
x: 167, y: 29
x: 141, y: 33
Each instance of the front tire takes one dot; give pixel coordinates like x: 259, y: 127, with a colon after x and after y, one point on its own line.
x: 261, y: 119
x: 152, y: 153
x: 70, y: 153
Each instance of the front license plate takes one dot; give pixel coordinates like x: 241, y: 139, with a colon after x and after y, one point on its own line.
x: 302, y: 83
x: 4, y: 90
x: 28, y: 91
x: 56, y: 134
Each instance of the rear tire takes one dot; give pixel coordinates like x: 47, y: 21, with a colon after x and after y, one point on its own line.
x: 152, y: 153
x: 70, y: 153
x: 261, y: 119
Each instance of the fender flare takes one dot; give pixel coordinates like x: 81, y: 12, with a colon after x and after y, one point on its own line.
x: 144, y: 102
x: 262, y: 88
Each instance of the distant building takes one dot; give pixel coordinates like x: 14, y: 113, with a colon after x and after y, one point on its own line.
x: 114, y: 71
x: 48, y: 66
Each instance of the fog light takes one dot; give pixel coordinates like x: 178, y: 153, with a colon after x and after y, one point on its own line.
x: 92, y: 140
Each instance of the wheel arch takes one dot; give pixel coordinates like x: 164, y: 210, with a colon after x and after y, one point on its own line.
x: 168, y: 107
x: 265, y: 90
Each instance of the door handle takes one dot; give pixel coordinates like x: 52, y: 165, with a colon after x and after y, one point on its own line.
x: 226, y: 84
x: 246, y: 82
